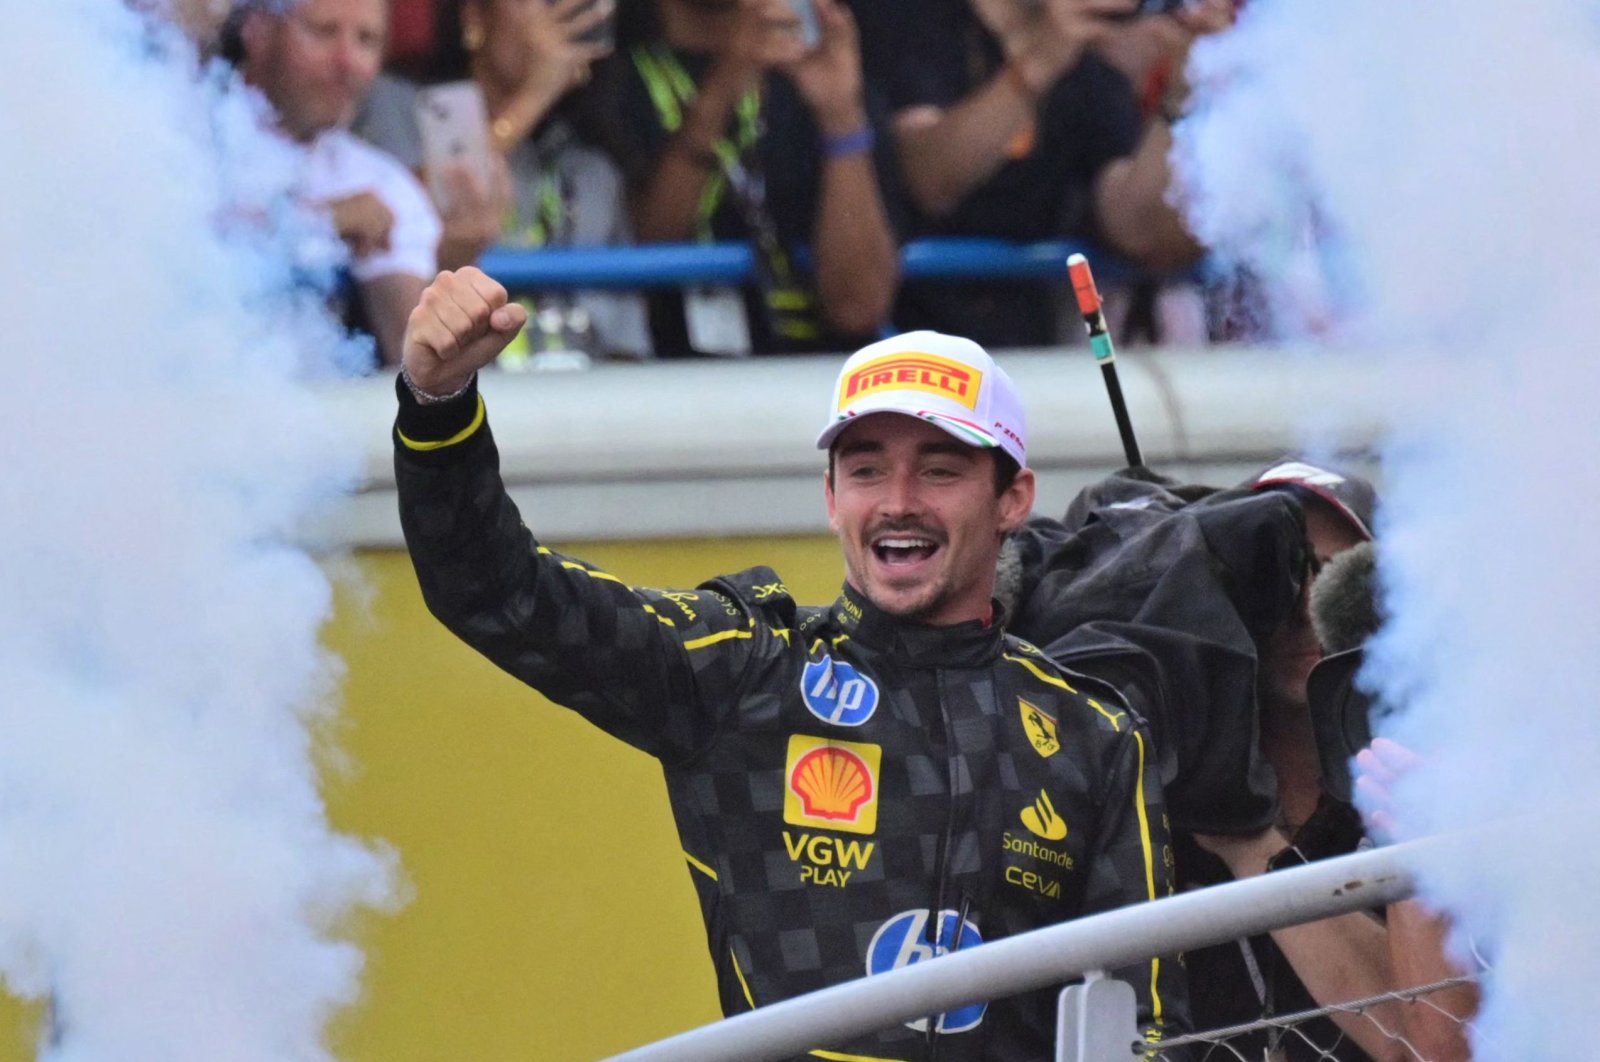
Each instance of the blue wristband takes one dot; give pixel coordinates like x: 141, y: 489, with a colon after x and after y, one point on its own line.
x: 853, y: 143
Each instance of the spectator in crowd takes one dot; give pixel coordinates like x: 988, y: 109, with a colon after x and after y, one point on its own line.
x: 549, y: 186
x: 1010, y: 123
x: 1195, y: 604
x: 860, y: 786
x: 314, y: 61
x: 732, y: 126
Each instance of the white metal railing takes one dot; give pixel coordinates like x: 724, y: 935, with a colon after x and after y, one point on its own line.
x: 1047, y: 957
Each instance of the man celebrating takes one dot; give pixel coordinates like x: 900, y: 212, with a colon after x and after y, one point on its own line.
x: 314, y: 60
x: 857, y: 787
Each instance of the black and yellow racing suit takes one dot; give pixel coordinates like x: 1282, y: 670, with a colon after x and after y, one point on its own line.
x: 853, y: 793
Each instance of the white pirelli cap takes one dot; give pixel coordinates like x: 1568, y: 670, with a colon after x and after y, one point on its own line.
x: 945, y: 380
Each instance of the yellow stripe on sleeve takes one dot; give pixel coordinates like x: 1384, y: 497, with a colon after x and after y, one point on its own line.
x: 701, y: 867
x: 1039, y: 672
x: 1115, y: 717
x: 1149, y: 870
x: 748, y: 998
x: 712, y: 639
x: 423, y: 446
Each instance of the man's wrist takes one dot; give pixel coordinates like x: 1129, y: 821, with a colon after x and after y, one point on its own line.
x: 430, y: 397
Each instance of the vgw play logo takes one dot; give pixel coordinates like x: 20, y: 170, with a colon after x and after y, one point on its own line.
x: 837, y: 693
x: 903, y: 940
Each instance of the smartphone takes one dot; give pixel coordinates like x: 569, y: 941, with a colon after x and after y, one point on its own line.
x: 454, y: 125
x: 810, y: 28
x: 1154, y: 7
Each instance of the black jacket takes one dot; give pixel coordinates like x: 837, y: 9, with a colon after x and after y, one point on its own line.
x: 835, y: 774
x: 1165, y: 596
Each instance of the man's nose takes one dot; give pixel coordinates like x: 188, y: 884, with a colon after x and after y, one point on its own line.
x: 356, y: 59
x: 902, y: 495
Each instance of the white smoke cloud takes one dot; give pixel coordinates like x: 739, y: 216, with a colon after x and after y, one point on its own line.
x: 168, y: 877
x: 1449, y: 147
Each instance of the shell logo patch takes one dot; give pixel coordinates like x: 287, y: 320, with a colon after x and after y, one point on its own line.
x: 831, y: 784
x: 1042, y: 821
x: 1040, y: 728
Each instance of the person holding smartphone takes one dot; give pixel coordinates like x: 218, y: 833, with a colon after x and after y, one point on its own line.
x: 531, y: 58
x: 734, y: 121
x: 314, y: 62
x: 1012, y: 123
x: 531, y: 177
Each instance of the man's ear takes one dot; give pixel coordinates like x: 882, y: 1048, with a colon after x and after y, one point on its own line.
x: 1016, y: 501
x: 827, y: 494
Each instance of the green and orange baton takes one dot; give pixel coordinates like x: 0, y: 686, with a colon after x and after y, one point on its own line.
x: 1100, y: 343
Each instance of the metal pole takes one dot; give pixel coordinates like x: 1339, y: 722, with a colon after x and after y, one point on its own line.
x: 1047, y: 957
x: 1094, y: 319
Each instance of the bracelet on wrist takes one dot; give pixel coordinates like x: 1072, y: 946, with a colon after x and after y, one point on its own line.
x: 429, y: 398
x: 856, y: 142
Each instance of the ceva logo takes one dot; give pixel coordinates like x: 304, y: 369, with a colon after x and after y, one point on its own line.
x: 904, y: 940
x: 837, y: 693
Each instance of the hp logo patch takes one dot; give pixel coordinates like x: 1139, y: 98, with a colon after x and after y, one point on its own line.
x: 903, y: 940
x: 837, y: 693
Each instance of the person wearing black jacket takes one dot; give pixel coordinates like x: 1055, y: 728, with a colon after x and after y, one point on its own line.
x: 1193, y: 601
x: 857, y: 787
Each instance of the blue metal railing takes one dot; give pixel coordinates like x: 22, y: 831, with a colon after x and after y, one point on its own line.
x: 676, y: 264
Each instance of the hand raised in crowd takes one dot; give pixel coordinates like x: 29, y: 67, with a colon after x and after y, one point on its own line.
x: 531, y: 54
x: 560, y: 56
x: 766, y: 34
x: 363, y: 222
x: 473, y: 211
x: 1378, y: 767
x: 829, y: 75
x: 461, y: 323
x: 1045, y: 41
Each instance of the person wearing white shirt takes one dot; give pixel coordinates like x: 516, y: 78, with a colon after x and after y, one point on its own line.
x: 314, y: 61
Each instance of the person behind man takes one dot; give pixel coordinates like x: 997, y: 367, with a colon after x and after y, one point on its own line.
x: 1011, y: 124
x: 314, y: 61
x: 1196, y: 604
x: 731, y: 127
x: 857, y: 787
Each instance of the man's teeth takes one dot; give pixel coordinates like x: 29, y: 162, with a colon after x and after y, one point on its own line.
x: 905, y: 543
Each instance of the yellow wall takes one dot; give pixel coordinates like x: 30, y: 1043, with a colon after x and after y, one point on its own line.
x: 553, y: 916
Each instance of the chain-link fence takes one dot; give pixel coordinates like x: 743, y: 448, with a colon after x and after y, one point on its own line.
x: 1440, y: 1010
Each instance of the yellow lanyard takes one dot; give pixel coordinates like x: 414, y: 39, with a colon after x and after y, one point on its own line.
x: 671, y: 89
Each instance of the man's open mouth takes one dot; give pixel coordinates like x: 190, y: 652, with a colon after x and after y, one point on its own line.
x: 904, y: 549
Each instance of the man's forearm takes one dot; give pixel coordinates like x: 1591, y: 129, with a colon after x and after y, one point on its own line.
x: 1338, y: 959
x: 945, y: 154
x: 1436, y: 1028
x: 667, y: 207
x: 1132, y: 207
x: 857, y: 260
x: 389, y: 301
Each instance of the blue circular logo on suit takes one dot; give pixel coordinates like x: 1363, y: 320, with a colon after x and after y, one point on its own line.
x: 903, y: 941
x: 837, y: 693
